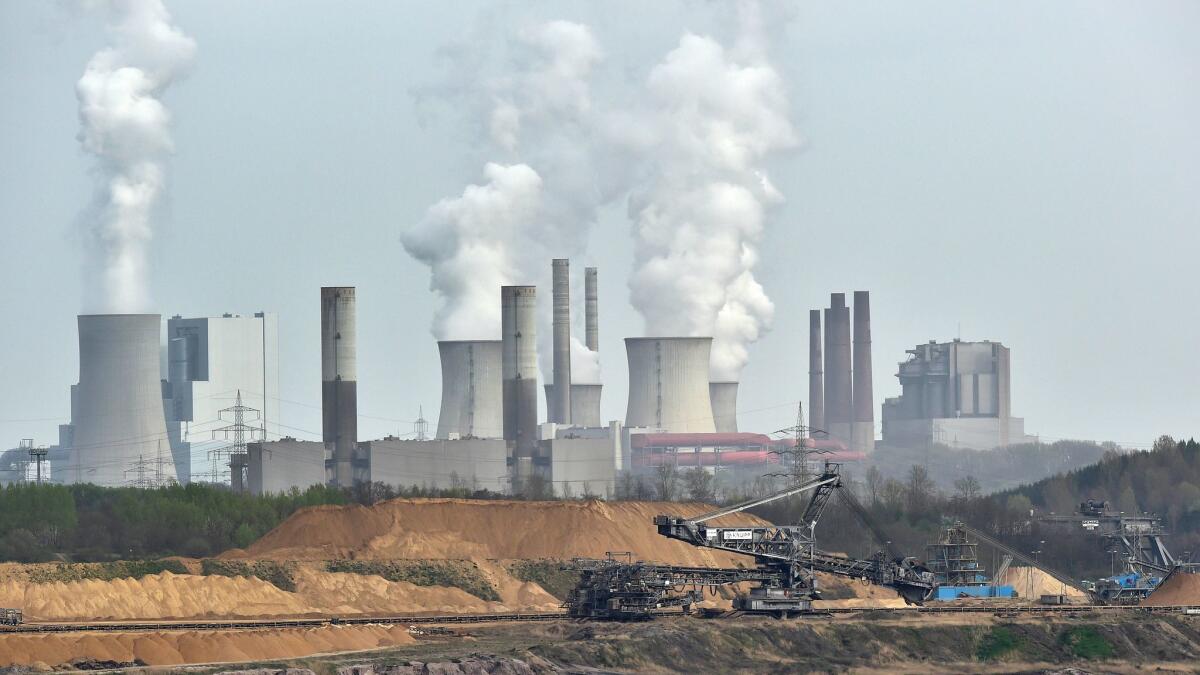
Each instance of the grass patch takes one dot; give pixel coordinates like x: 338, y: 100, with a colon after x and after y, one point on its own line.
x: 106, y: 571
x: 280, y: 575
x: 549, y: 574
x: 1085, y: 642
x: 998, y: 642
x: 462, y: 574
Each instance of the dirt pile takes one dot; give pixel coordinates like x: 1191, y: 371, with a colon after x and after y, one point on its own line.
x: 158, y: 596
x: 461, y: 529
x: 170, y: 648
x: 1032, y: 583
x: 1179, y: 588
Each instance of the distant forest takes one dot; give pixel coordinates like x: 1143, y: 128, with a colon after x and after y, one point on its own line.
x: 86, y: 523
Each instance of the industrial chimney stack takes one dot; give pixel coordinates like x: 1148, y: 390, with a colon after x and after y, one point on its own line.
x: 863, y: 431
x: 591, y: 309
x: 816, y: 380
x: 339, y: 388
x: 560, y: 401
x: 838, y: 384
x: 518, y: 311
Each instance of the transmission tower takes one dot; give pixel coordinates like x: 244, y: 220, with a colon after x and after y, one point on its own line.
x: 421, y: 426
x: 143, y: 476
x: 239, y: 432
x: 800, y: 455
x: 37, y: 455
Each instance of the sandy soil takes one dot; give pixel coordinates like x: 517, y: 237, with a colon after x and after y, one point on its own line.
x: 179, y: 647
x: 1031, y: 583
x: 1179, y: 588
x: 459, y: 528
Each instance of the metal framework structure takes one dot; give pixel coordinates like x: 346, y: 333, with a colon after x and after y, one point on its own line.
x: 239, y: 432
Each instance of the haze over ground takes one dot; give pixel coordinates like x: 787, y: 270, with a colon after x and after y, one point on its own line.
x: 1025, y: 172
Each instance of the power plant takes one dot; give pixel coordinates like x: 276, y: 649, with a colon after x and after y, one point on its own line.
x: 131, y: 427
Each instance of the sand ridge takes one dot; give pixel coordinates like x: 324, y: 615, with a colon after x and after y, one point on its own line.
x: 474, y: 529
x: 1179, y: 588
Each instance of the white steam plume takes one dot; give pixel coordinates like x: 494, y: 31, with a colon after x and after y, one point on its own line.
x: 543, y: 181
x: 124, y: 123
x: 717, y: 114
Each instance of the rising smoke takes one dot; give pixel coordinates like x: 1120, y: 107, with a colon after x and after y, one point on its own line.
x: 125, y: 125
x: 688, y: 152
x: 542, y: 184
x: 717, y: 114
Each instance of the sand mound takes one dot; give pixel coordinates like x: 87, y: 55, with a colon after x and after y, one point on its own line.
x: 1179, y: 588
x: 1032, y: 583
x: 462, y: 528
x: 170, y: 648
x: 158, y: 596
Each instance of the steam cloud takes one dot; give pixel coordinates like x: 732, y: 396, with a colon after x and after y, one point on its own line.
x: 717, y: 114
x: 694, y: 143
x: 543, y: 183
x: 126, y: 126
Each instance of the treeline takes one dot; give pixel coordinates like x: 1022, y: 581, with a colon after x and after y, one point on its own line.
x: 86, y: 523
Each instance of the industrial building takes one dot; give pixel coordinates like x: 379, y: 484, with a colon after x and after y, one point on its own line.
x: 840, y: 381
x: 209, y: 361
x: 954, y: 393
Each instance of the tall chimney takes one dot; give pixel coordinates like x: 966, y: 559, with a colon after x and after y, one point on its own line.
x: 591, y: 309
x: 518, y: 311
x: 816, y: 378
x: 863, y: 433
x: 838, y: 392
x: 560, y: 411
x: 339, y: 386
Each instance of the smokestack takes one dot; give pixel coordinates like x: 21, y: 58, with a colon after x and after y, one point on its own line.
x: 668, y: 384
x: 560, y: 412
x: 724, y: 406
x: 863, y: 432
x: 591, y: 309
x: 339, y: 381
x: 518, y: 310
x: 816, y: 378
x: 117, y: 409
x: 472, y: 396
x: 838, y: 392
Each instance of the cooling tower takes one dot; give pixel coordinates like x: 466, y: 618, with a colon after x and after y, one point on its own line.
x: 668, y: 384
x: 472, y: 396
x: 518, y: 309
x: 838, y: 392
x: 863, y: 431
x: 339, y: 391
x: 724, y: 406
x: 560, y: 412
x: 591, y: 310
x: 118, y: 417
x: 816, y: 380
x: 585, y: 405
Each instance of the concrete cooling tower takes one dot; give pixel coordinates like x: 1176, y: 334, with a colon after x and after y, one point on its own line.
x: 120, y: 431
x: 724, y: 406
x: 668, y: 384
x: 585, y: 405
x: 472, y: 393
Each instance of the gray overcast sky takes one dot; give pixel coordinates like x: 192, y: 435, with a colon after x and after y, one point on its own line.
x: 1027, y: 171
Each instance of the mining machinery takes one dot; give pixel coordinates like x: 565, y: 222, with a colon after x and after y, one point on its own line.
x: 785, y: 556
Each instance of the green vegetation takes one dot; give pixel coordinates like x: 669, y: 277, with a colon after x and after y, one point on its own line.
x: 462, y: 574
x: 548, y: 574
x: 280, y: 575
x: 78, y: 523
x: 997, y: 643
x: 123, y: 569
x: 1086, y: 642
